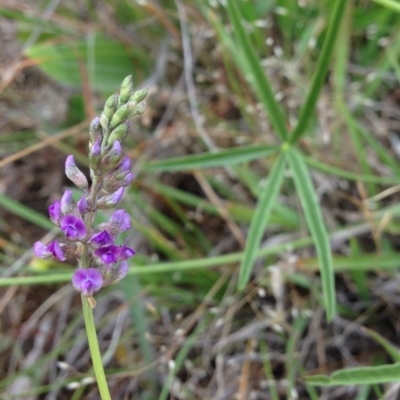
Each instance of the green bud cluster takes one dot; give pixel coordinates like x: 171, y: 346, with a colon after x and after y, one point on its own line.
x: 117, y: 110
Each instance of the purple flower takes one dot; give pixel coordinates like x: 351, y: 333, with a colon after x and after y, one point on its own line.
x: 73, y: 227
x: 100, y: 239
x: 121, y: 220
x: 95, y: 131
x: 125, y: 252
x: 108, y: 254
x: 52, y: 250
x: 87, y: 280
x: 55, y: 212
x: 111, y: 200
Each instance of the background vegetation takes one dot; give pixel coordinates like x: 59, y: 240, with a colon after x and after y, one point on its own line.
x: 265, y: 209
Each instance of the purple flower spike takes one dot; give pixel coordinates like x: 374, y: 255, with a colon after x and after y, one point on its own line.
x: 73, y: 227
x: 121, y: 220
x: 87, y: 281
x: 55, y: 212
x: 108, y: 254
x: 100, y: 239
x: 52, y: 250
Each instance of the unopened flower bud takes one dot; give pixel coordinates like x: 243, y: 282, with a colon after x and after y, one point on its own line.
x: 127, y: 180
x: 75, y: 174
x: 126, y: 90
x: 120, y: 220
x: 111, y: 200
x: 51, y: 251
x: 139, y: 110
x: 95, y: 131
x: 139, y: 95
x: 113, y: 157
x: 125, y: 112
x: 110, y: 106
x: 95, y: 156
x: 120, y: 176
x: 67, y: 205
x: 55, y: 212
x: 125, y: 165
x: 104, y: 122
x: 82, y: 205
x: 119, y: 133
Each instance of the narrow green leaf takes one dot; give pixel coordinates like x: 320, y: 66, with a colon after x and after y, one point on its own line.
x: 360, y: 262
x: 25, y: 212
x: 358, y: 376
x: 320, y: 72
x: 391, y: 4
x: 317, y: 380
x: 352, y: 176
x: 260, y: 219
x: 211, y: 160
x: 392, y: 350
x: 258, y: 79
x: 316, y: 225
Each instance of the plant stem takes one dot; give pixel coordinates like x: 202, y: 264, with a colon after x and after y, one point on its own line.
x: 94, y: 349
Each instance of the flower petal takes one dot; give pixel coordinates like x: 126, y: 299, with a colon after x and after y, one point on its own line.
x: 73, y: 227
x: 121, y: 220
x: 87, y: 280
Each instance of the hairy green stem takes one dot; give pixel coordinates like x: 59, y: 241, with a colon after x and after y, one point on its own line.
x: 94, y: 349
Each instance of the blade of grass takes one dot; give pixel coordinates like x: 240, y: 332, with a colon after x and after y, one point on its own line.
x: 351, y: 176
x: 239, y: 212
x: 307, y: 110
x: 292, y: 363
x: 211, y: 160
x: 260, y: 219
x: 131, y: 288
x: 179, y: 360
x: 316, y: 225
x: 393, y: 5
x: 367, y: 262
x: 358, y: 376
x: 393, y: 351
x: 268, y: 370
x: 359, y: 263
x: 258, y: 79
x: 25, y: 212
